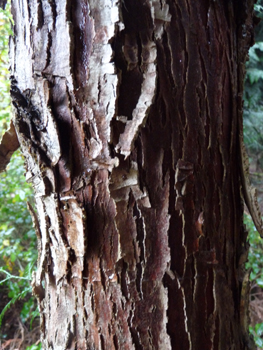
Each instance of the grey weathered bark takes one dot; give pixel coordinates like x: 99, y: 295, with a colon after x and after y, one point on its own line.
x: 127, y: 115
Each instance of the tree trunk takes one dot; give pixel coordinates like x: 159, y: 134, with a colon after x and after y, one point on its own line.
x: 127, y: 115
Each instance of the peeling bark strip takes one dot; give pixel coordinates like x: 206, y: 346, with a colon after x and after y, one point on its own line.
x: 8, y: 145
x: 127, y: 113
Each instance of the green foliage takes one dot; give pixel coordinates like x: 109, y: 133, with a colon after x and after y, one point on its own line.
x: 257, y: 333
x: 17, y: 296
x: 18, y: 253
x: 253, y: 103
x: 253, y: 95
x: 34, y: 347
x: 259, y: 8
x: 255, y: 262
x: 17, y: 238
x: 253, y: 137
x: 255, y: 65
x: 5, y: 32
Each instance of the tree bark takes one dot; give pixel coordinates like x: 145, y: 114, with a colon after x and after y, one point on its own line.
x: 127, y: 115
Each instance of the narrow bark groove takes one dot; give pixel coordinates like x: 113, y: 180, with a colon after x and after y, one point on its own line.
x: 126, y: 113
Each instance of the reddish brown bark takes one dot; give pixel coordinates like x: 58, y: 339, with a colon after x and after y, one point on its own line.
x: 127, y: 114
x: 9, y: 144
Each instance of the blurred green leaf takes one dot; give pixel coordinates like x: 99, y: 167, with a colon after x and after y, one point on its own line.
x: 34, y: 347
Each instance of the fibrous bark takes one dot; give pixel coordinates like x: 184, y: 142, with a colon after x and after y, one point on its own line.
x: 126, y: 113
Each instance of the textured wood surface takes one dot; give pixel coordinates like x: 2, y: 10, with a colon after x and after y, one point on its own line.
x: 127, y: 115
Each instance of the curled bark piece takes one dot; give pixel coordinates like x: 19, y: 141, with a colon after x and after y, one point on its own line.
x: 9, y: 144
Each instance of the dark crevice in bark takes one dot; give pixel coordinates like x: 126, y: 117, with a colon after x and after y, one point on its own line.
x: 92, y: 299
x: 102, y: 342
x: 40, y: 15
x: 53, y: 6
x: 139, y: 279
x: 140, y: 231
x: 48, y: 52
x: 136, y: 340
x: 127, y: 61
x: 71, y: 340
x: 115, y: 340
x: 103, y: 277
x: 123, y: 277
x: 81, y: 45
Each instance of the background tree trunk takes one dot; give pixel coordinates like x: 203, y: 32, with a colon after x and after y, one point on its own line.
x: 127, y: 115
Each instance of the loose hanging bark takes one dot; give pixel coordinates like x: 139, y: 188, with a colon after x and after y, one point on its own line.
x: 126, y: 113
x: 8, y: 145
